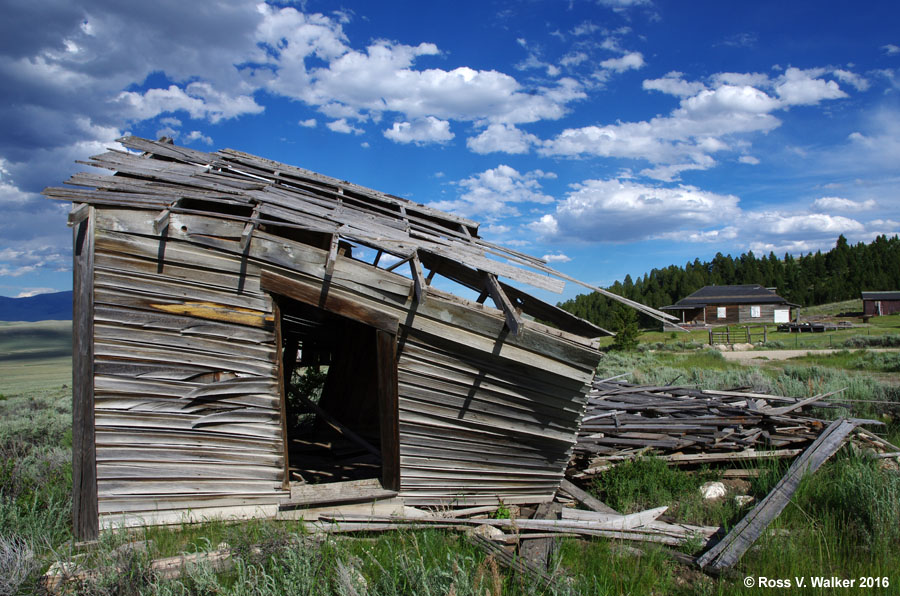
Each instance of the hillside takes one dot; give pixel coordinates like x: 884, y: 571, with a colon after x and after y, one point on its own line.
x: 808, y: 280
x: 56, y: 306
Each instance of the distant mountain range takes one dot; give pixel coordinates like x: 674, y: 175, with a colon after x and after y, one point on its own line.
x: 56, y: 306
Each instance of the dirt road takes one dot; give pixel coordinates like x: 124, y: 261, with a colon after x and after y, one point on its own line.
x: 759, y: 356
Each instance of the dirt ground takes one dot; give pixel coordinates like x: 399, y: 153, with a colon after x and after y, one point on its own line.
x: 760, y: 356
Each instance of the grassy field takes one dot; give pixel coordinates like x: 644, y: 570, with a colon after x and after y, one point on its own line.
x: 35, y: 356
x: 844, y: 521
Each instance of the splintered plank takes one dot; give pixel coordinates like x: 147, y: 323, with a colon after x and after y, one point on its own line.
x: 729, y: 550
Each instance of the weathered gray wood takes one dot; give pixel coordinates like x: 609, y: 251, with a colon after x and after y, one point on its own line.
x: 84, y: 457
x: 337, y: 492
x: 592, y: 503
x: 513, y: 321
x: 79, y: 213
x: 419, y: 283
x: 730, y: 549
x: 539, y: 551
x: 522, y: 566
x: 312, y: 295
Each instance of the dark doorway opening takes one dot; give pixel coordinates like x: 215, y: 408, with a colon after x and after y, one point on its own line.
x: 340, y: 403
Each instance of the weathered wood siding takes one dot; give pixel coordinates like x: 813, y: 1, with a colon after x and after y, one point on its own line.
x: 880, y: 307
x: 731, y: 314
x: 766, y: 312
x: 474, y: 428
x: 740, y: 313
x: 188, y: 410
x: 187, y: 407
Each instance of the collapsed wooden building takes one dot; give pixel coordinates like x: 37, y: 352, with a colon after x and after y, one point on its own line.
x: 210, y: 287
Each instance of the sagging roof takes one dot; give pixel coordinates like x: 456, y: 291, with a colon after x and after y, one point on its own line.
x: 881, y: 295
x: 740, y: 294
x: 286, y: 200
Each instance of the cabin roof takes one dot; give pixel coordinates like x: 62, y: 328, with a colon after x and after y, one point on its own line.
x: 739, y: 294
x: 881, y: 295
x: 284, y: 199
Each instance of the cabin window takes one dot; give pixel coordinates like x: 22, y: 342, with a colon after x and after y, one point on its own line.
x: 754, y: 311
x: 340, y: 403
x: 720, y: 312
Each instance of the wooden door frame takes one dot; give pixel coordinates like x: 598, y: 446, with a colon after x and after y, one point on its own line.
x: 387, y: 392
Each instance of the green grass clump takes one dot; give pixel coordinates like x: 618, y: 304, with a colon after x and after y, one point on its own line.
x: 858, y: 496
x: 644, y: 483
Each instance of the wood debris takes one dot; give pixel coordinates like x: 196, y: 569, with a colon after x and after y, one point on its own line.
x: 684, y: 425
x: 730, y: 549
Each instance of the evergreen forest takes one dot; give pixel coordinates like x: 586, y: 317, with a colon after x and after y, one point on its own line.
x: 815, y: 278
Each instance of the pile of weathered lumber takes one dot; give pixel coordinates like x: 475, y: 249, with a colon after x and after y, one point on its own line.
x: 685, y: 425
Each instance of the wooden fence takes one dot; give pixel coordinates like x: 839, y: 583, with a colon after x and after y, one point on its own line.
x: 738, y: 335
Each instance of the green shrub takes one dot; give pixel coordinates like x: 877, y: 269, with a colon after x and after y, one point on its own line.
x: 871, y: 341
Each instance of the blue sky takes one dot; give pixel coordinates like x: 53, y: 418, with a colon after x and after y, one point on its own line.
x: 609, y: 136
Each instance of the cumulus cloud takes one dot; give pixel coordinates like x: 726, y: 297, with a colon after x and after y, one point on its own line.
x: 494, y: 193
x: 630, y: 61
x: 364, y: 84
x: 748, y: 159
x: 626, y: 211
x: 841, y: 204
x: 196, y: 135
x: 711, y: 117
x: 342, y: 126
x: 851, y: 78
x: 421, y: 131
x: 688, y: 136
x: 308, y: 123
x: 504, y: 138
x: 805, y: 87
x: 611, y: 211
x: 890, y: 49
x: 557, y: 258
x: 673, y: 83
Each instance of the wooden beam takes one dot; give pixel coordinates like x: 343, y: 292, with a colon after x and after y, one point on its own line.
x: 584, y: 498
x: 85, y: 518
x: 332, y: 255
x: 400, y: 262
x: 78, y: 214
x: 283, y: 381
x: 247, y: 233
x: 472, y: 279
x: 419, y: 283
x: 312, y: 294
x: 729, y: 550
x: 513, y: 320
x: 162, y: 220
